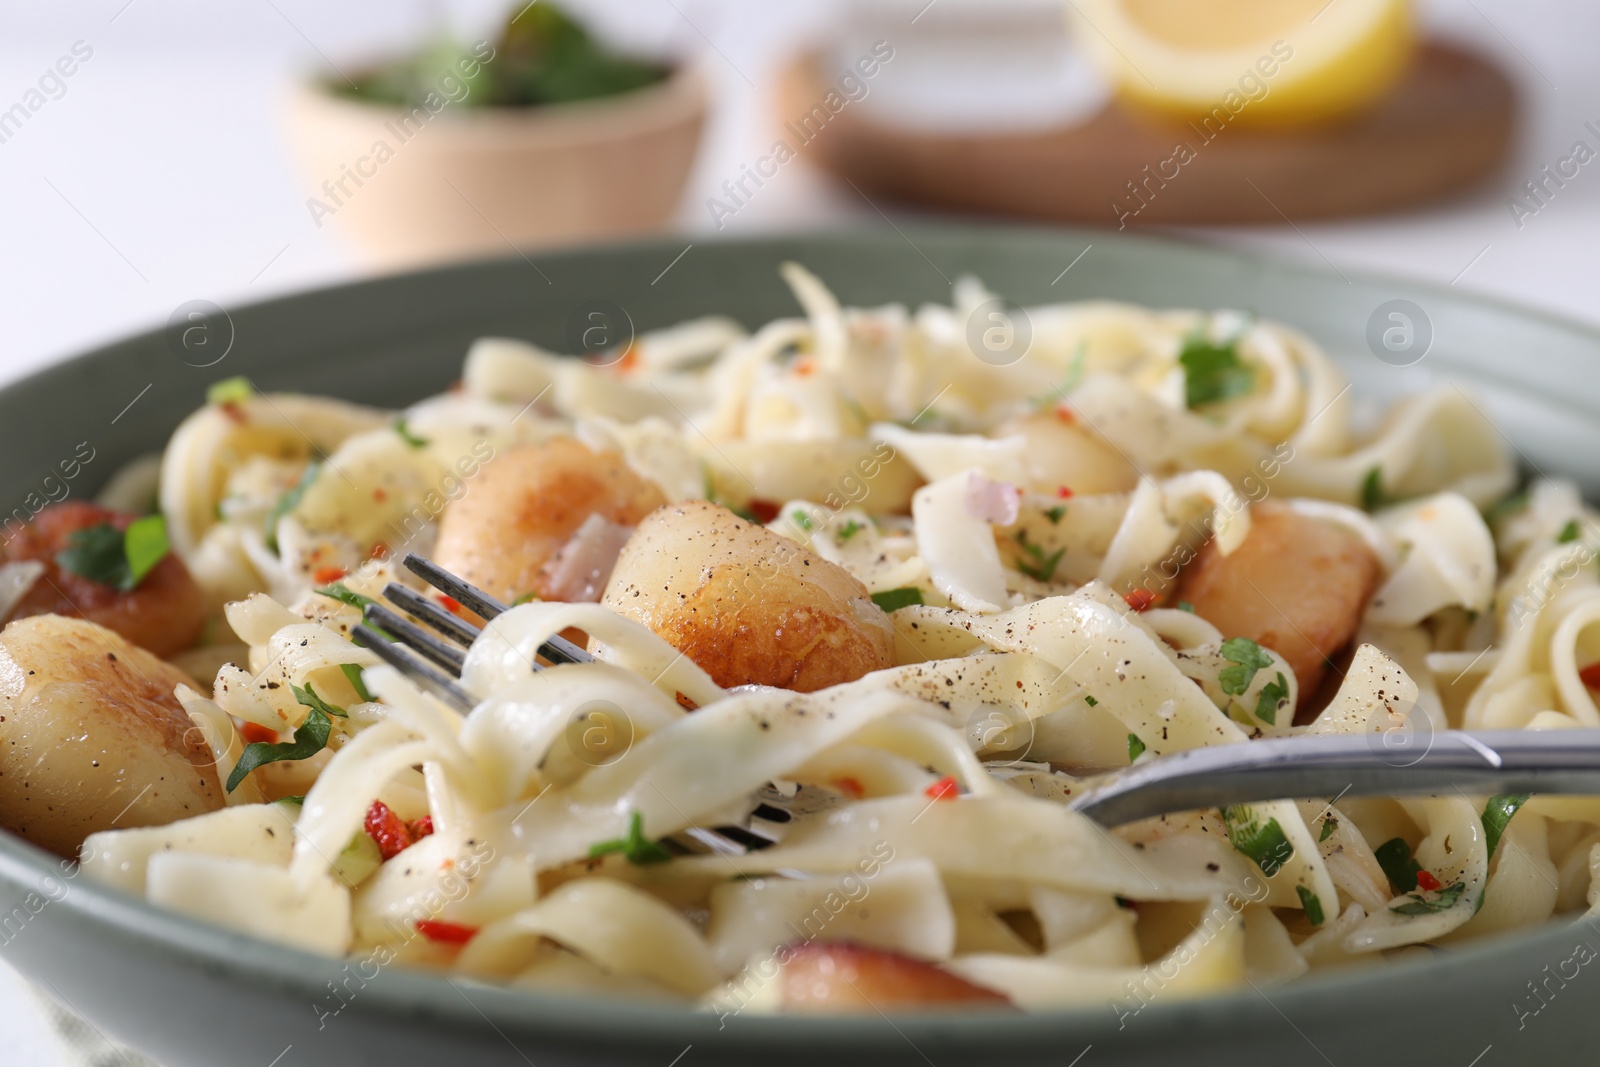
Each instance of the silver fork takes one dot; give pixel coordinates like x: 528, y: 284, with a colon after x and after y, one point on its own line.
x: 1310, y: 766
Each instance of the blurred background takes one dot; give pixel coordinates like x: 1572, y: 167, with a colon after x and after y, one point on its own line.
x: 159, y: 152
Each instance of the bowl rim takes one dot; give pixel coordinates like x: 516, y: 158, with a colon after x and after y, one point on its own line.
x: 597, y: 1022
x: 682, y: 94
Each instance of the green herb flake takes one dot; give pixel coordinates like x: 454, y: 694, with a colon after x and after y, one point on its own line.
x: 345, y: 595
x: 1312, y: 905
x: 1055, y: 514
x: 352, y: 671
x: 308, y: 697
x: 1091, y: 701
x: 1507, y: 506
x: 1496, y: 814
x: 525, y: 598
x: 801, y: 519
x: 144, y: 544
x: 1372, y: 495
x: 230, y: 391
x: 638, y: 849
x: 1043, y: 567
x: 102, y: 553
x: 1213, y: 372
x: 1394, y: 856
x: 1265, y: 844
x: 1271, y: 698
x: 1329, y: 826
x: 850, y: 529
x: 408, y: 437
x: 288, y: 502
x: 895, y: 599
x: 309, y: 739
x: 1184, y: 605
x: 1443, y: 900
x: 1247, y: 657
x: 1569, y: 533
x: 1135, y: 747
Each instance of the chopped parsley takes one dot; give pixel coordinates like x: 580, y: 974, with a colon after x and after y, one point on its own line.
x: 1055, y: 514
x: 1507, y: 506
x: 345, y: 595
x: 1394, y: 856
x: 1043, y: 567
x: 850, y: 529
x: 525, y: 598
x: 1135, y: 747
x: 1184, y: 605
x: 1247, y: 657
x: 1329, y: 825
x: 407, y: 436
x: 289, y: 501
x: 1373, y: 496
x: 310, y: 738
x: 105, y: 554
x: 895, y: 599
x: 230, y: 391
x: 1569, y: 533
x: 1271, y: 698
x: 1312, y: 904
x: 308, y: 697
x: 1265, y: 844
x: 801, y: 519
x: 352, y: 671
x: 638, y: 849
x: 1496, y: 814
x: 1213, y: 372
x: 1443, y: 900
x: 1091, y: 701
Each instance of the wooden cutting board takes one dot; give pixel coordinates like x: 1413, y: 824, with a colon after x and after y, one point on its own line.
x: 1448, y: 124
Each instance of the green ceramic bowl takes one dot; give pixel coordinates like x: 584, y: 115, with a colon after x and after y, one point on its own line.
x: 191, y: 994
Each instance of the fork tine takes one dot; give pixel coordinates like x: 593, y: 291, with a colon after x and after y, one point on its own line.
x: 416, y: 638
x: 556, y: 650
x: 447, y: 624
x: 415, y: 669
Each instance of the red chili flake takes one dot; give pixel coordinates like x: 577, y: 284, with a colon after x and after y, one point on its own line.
x: 630, y: 359
x: 380, y: 550
x: 1590, y: 675
x: 388, y: 830
x: 450, y: 603
x: 458, y: 386
x: 379, y: 495
x: 1426, y: 880
x: 446, y: 933
x: 685, y: 703
x: 1064, y: 493
x: 232, y: 410
x: 849, y: 786
x: 805, y: 367
x: 422, y: 827
x: 1065, y: 414
x: 764, y: 510
x: 944, y: 789
x: 324, y: 575
x: 254, y: 733
x: 1140, y: 599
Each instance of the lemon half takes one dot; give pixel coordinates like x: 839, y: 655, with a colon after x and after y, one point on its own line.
x: 1259, y: 62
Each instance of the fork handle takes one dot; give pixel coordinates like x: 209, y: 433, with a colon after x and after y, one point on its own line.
x: 1508, y: 761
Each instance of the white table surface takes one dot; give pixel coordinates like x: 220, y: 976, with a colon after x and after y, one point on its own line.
x: 160, y: 175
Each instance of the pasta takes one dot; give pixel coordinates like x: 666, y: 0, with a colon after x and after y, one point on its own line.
x: 915, y: 597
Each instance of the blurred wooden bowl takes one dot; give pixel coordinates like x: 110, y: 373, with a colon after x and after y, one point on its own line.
x: 412, y: 188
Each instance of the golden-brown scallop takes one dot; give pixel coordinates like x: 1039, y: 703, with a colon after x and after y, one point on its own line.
x: 746, y: 604
x: 524, y: 506
x: 91, y: 737
x: 163, y: 614
x: 1062, y: 451
x: 841, y: 977
x: 1297, y: 585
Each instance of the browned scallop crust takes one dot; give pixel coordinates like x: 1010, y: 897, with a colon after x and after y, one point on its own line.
x: 843, y: 977
x: 746, y: 604
x: 164, y: 614
x: 1297, y: 585
x: 525, y: 504
x: 91, y: 736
